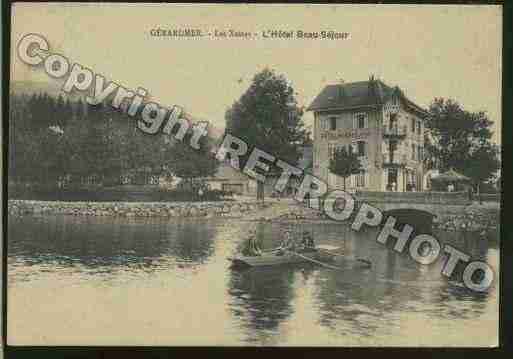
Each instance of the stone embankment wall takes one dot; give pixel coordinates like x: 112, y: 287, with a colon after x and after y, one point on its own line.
x: 473, y: 218
x: 470, y: 218
x: 135, y: 209
x: 449, y: 198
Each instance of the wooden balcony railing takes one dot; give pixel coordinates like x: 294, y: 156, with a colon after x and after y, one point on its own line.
x: 394, y: 159
x: 395, y: 131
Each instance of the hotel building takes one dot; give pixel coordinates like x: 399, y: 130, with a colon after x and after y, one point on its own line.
x: 379, y: 123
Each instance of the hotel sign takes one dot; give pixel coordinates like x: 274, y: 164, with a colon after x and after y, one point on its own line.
x: 352, y: 134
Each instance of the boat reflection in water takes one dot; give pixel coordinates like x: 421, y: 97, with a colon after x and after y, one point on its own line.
x: 262, y: 299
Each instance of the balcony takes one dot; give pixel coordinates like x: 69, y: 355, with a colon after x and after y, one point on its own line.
x: 394, y: 160
x: 398, y: 132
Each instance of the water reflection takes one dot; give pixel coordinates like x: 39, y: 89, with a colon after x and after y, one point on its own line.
x: 187, y: 283
x: 103, y: 244
x: 261, y: 299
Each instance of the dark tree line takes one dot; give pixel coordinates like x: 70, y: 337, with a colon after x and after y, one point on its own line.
x: 56, y: 142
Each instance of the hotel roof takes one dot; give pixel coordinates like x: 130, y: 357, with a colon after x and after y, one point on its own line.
x: 353, y: 95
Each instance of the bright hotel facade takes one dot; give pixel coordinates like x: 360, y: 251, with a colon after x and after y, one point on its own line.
x: 379, y: 123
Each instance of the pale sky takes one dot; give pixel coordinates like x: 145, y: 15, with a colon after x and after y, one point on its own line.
x: 429, y: 51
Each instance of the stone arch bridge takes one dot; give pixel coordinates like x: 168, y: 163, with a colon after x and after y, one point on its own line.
x: 416, y: 208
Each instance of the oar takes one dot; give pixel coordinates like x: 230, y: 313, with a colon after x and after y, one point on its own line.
x: 315, y: 261
x: 325, y: 251
x: 365, y: 261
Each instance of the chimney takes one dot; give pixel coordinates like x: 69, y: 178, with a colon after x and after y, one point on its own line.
x: 372, y: 85
x: 341, y: 88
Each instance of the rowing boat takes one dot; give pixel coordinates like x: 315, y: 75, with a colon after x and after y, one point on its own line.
x: 276, y: 257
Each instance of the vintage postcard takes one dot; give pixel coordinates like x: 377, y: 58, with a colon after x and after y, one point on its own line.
x: 254, y: 175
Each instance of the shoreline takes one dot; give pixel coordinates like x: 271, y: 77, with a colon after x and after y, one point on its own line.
x: 474, y: 217
x: 134, y: 209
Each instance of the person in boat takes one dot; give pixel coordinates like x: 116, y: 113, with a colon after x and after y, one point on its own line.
x: 304, y: 240
x: 252, y: 248
x: 307, y: 242
x: 246, y: 251
x: 255, y: 246
x: 287, y: 244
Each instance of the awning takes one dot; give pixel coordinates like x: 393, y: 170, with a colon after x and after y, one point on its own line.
x: 451, y: 176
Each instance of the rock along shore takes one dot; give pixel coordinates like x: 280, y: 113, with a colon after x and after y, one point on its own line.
x: 134, y: 209
x: 472, y: 218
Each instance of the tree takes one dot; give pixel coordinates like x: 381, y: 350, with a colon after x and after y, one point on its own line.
x: 344, y: 163
x: 461, y: 140
x: 498, y: 182
x: 52, y: 157
x: 188, y: 163
x: 267, y: 117
x: 482, y: 165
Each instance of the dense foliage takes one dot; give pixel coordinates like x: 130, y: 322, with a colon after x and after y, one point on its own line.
x: 60, y: 143
x: 461, y: 140
x: 267, y: 117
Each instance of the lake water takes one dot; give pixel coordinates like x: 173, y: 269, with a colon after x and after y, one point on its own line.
x: 157, y: 281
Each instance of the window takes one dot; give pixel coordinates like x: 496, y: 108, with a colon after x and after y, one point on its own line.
x: 392, y: 146
x: 350, y: 149
x: 331, y: 151
x: 360, y: 121
x: 413, y: 125
x: 393, y: 121
x: 413, y: 151
x: 360, y: 150
x: 333, y: 123
x: 420, y: 153
x: 360, y: 179
x: 419, y: 129
x: 333, y: 148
